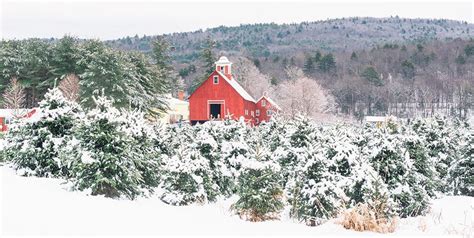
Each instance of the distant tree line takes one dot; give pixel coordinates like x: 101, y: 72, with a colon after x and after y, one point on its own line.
x: 134, y: 79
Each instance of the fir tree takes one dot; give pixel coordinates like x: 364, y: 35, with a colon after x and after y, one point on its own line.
x: 106, y: 162
x: 33, y: 145
x: 259, y: 191
x: 461, y: 172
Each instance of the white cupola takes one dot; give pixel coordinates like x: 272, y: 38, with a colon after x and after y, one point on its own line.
x: 224, y: 66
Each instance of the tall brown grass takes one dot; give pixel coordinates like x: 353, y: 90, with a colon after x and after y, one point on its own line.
x: 364, y: 218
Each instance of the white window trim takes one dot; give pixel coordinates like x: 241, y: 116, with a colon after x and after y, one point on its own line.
x: 251, y: 113
x: 246, y: 112
x: 257, y: 112
x: 264, y: 103
x: 269, y: 112
x: 215, y: 78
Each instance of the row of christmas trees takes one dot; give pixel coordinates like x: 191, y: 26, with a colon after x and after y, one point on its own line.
x: 317, y: 171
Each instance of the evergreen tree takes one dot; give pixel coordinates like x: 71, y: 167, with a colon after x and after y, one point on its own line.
x: 308, y: 65
x: 33, y: 145
x: 208, y: 58
x: 461, y: 172
x: 65, y: 56
x: 353, y: 56
x: 408, y: 70
x: 327, y: 63
x: 259, y: 191
x: 372, y: 76
x: 102, y: 69
x: 160, y: 54
x: 107, y: 161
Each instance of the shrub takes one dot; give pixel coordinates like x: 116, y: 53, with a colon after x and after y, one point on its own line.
x: 106, y: 162
x: 33, y: 144
x: 260, y: 194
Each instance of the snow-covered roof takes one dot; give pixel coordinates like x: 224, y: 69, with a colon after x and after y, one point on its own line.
x: 8, y: 113
x: 270, y: 101
x: 379, y: 118
x: 223, y: 60
x: 237, y: 87
x: 4, y: 112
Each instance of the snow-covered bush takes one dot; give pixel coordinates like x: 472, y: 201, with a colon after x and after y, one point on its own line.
x: 185, y: 173
x: 147, y: 156
x: 461, y: 172
x: 259, y: 191
x: 377, y: 212
x: 33, y: 145
x: 316, y: 195
x: 391, y: 159
x: 291, y: 151
x: 107, y: 161
x: 441, y: 139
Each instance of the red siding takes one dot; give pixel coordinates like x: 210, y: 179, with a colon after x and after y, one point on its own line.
x: 233, y: 103
x: 3, y: 126
x: 263, y: 109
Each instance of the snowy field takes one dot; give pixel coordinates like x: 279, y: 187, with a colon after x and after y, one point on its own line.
x: 43, y: 206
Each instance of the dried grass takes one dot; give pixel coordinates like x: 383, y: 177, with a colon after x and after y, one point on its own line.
x: 362, y: 218
x: 253, y: 216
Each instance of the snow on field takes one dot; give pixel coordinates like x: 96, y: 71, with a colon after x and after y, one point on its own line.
x: 44, y: 206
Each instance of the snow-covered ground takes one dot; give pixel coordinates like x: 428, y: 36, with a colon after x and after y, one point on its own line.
x: 44, y: 206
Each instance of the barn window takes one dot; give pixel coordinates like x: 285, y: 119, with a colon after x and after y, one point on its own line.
x: 246, y: 112
x: 216, y: 79
x: 264, y: 103
x: 256, y: 120
x: 251, y: 113
x: 269, y: 112
x: 222, y: 68
x: 257, y: 112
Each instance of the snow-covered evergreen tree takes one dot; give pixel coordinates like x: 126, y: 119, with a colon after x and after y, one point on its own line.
x: 33, y: 145
x: 106, y: 161
x: 185, y: 176
x: 316, y: 195
x: 377, y: 197
x: 259, y: 191
x: 440, y: 137
x: 461, y: 172
x: 390, y: 158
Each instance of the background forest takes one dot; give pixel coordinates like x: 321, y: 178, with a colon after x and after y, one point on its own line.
x: 349, y: 66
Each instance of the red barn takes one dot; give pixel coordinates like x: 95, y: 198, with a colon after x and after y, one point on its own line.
x: 222, y: 96
x: 7, y: 115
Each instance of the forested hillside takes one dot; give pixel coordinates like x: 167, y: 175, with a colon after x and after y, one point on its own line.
x: 405, y: 67
x: 360, y: 66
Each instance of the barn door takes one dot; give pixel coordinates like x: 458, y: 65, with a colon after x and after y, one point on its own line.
x: 215, y: 111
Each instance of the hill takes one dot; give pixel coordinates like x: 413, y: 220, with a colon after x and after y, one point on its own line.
x: 405, y: 67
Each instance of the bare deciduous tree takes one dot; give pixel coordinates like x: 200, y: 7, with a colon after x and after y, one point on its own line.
x: 301, y: 94
x: 251, y: 78
x: 69, y: 86
x: 14, y: 97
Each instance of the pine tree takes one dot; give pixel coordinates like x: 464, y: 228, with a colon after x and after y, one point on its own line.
x: 208, y: 58
x: 327, y: 63
x: 106, y: 162
x: 308, y: 65
x: 316, y: 197
x: 259, y: 191
x: 33, y: 145
x: 461, y: 172
x: 160, y: 54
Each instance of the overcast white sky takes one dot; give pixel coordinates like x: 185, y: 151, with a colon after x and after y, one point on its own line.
x: 109, y: 19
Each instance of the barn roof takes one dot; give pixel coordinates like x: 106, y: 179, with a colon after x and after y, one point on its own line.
x: 238, y: 88
x: 270, y: 101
